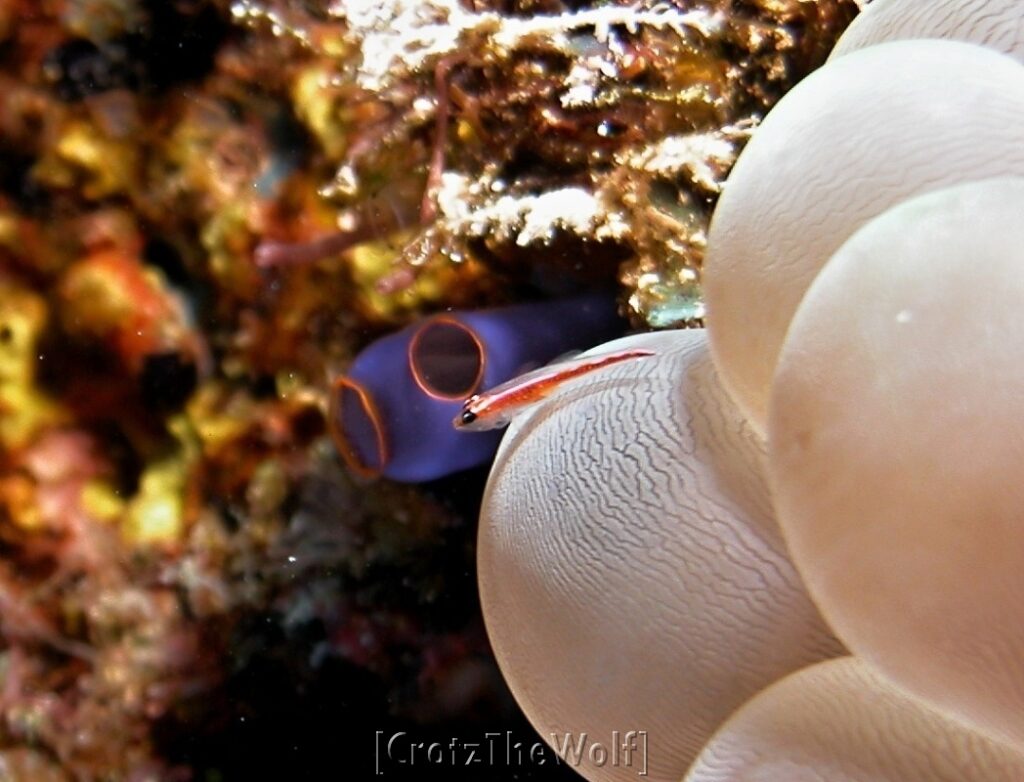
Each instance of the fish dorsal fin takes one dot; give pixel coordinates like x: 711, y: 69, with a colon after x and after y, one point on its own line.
x: 530, y: 366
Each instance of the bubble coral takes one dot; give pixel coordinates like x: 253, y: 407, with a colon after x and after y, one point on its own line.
x: 862, y: 150
x: 628, y: 526
x: 893, y: 448
x: 391, y: 413
x: 843, y: 711
x: 996, y: 24
x: 916, y: 397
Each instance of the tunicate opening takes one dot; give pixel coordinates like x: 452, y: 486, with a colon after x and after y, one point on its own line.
x: 446, y: 358
x: 356, y: 428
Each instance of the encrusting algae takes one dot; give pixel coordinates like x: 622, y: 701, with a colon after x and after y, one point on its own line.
x: 207, y: 209
x: 601, y: 133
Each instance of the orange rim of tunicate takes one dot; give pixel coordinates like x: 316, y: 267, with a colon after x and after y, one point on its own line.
x: 348, y: 452
x: 440, y: 329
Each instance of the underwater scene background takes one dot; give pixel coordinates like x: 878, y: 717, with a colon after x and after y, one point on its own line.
x: 231, y: 545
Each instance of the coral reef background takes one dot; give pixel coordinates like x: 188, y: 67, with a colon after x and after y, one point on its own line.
x: 207, y: 209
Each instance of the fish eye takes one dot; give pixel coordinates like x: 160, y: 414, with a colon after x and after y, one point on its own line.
x: 468, y: 417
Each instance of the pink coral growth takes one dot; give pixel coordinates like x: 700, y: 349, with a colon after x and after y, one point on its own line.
x: 92, y: 654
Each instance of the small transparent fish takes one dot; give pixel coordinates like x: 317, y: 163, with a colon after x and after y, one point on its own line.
x: 497, y: 407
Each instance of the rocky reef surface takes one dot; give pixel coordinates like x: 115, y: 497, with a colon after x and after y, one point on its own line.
x: 207, y: 210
